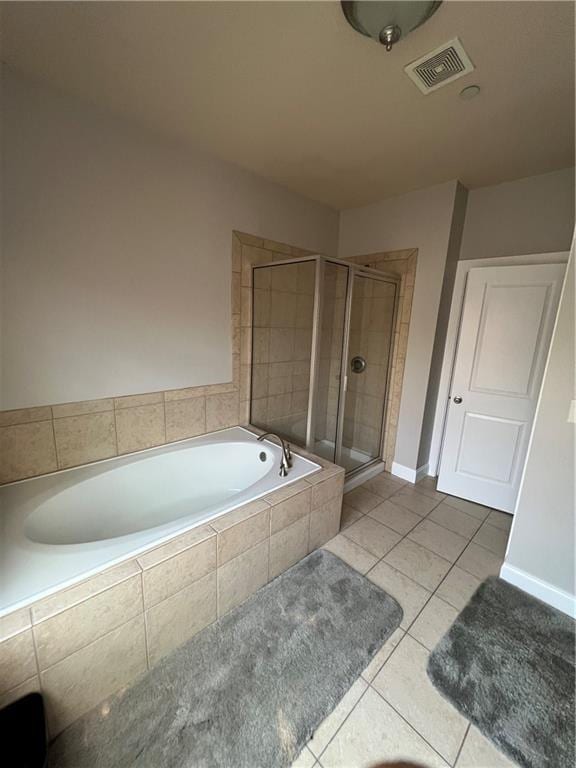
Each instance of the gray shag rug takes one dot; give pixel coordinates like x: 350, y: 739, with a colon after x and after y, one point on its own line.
x: 250, y: 689
x: 507, y: 664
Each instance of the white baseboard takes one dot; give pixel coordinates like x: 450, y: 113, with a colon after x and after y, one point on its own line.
x: 406, y: 473
x: 544, y: 591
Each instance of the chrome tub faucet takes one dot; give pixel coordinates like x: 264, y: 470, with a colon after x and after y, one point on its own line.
x: 286, y: 460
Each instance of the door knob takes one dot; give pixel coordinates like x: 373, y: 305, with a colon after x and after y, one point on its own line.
x: 457, y: 399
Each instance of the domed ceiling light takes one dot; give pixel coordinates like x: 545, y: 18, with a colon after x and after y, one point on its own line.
x: 388, y: 21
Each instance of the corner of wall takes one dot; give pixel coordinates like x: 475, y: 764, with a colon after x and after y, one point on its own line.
x: 452, y: 256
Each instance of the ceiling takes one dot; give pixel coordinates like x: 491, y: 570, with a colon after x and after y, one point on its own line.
x: 292, y: 93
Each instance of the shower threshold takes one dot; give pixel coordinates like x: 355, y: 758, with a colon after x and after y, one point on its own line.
x: 350, y: 459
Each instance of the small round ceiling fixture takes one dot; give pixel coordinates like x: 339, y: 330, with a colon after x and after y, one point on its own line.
x: 470, y: 92
x: 388, y: 21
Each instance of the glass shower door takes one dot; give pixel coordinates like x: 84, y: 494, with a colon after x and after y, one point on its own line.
x: 282, y: 328
x: 369, y: 348
x: 329, y: 356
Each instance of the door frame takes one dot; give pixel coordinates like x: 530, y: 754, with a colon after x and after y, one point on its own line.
x: 453, y: 332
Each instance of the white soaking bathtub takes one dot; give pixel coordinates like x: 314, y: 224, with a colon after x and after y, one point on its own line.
x: 61, y: 528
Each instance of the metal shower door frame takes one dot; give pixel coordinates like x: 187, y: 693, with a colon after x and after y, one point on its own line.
x: 353, y: 271
x: 383, y: 277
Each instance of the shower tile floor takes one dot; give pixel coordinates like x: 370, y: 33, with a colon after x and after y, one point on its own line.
x: 429, y: 551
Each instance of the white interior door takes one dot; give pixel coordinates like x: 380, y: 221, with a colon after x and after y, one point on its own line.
x: 507, y: 321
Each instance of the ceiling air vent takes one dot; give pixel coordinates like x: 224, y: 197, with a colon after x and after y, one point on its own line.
x: 440, y: 67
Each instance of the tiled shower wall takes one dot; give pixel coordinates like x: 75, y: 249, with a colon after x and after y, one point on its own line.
x: 402, y: 263
x: 282, y: 345
x: 370, y: 336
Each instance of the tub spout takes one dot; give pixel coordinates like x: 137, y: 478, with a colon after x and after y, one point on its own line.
x: 286, y: 460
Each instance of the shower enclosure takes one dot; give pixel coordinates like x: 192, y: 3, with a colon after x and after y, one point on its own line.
x: 322, y: 336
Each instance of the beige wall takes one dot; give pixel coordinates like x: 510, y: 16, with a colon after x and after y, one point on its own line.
x: 421, y: 220
x: 116, y: 250
x: 452, y: 255
x: 532, y: 215
x: 542, y: 541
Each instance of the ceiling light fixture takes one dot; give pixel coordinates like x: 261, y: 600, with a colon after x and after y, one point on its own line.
x: 387, y: 21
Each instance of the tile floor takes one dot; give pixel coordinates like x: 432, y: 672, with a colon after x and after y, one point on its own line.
x: 429, y: 551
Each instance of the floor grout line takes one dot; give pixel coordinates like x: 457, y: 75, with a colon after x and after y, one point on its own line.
x: 407, y: 630
x: 462, y: 745
x: 345, y: 719
x: 411, y: 725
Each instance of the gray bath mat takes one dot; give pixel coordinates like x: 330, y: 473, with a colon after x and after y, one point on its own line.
x: 507, y: 663
x: 249, y: 690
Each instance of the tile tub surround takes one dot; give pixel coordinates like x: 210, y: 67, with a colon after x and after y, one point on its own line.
x: 86, y: 642
x: 44, y: 439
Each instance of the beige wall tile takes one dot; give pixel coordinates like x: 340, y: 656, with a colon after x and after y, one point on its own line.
x: 245, y: 307
x: 241, y: 577
x: 236, y: 254
x: 288, y: 546
x: 221, y: 411
x: 236, y: 333
x: 286, y: 512
x: 326, y: 490
x: 31, y: 685
x: 175, y: 620
x: 25, y: 415
x: 82, y: 408
x: 132, y: 401
x: 185, y: 393
x: 235, y: 292
x: 77, y: 627
x: 68, y: 598
x: 179, y: 571
x: 26, y: 450
x: 251, y: 527
x: 175, y: 546
x: 81, y: 439
x: 245, y: 343
x: 87, y: 677
x: 324, y: 523
x: 244, y: 413
x: 245, y: 380
x: 247, y: 239
x: 185, y: 418
x: 17, y: 660
x: 140, y: 427
x: 272, y: 245
x: 14, y: 622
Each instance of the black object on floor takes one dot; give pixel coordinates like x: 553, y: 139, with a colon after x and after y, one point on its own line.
x: 249, y: 690
x: 23, y: 733
x: 507, y: 664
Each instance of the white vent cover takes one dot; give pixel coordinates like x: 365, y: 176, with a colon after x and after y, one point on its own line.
x: 440, y: 67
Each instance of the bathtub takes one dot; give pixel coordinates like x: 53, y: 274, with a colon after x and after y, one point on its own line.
x: 59, y: 529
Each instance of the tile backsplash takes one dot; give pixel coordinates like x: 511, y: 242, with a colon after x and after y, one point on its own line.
x: 36, y: 441
x: 79, y: 433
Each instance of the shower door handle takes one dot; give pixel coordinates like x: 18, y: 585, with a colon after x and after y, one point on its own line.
x: 358, y: 364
